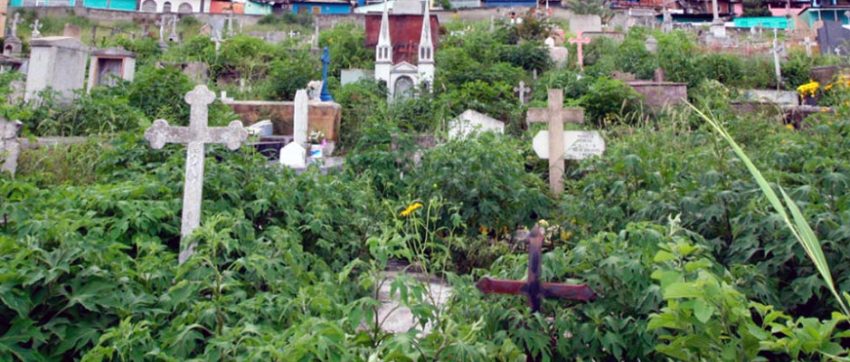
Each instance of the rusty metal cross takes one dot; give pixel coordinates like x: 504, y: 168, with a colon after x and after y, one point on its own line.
x: 532, y: 287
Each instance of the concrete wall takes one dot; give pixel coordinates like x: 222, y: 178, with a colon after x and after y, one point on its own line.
x: 323, y: 116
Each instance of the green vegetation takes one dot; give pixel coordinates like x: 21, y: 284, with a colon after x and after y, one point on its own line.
x: 694, y: 249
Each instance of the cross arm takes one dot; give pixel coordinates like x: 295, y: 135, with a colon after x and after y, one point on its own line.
x: 233, y: 135
x: 542, y: 115
x: 161, y: 133
x: 579, y: 292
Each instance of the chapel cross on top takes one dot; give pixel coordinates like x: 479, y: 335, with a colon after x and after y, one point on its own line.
x: 195, y: 136
x: 555, y: 115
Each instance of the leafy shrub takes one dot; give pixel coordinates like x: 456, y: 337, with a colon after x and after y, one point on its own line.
x: 159, y: 93
x: 487, y: 177
x: 289, y: 74
x: 345, y: 44
x: 607, y: 97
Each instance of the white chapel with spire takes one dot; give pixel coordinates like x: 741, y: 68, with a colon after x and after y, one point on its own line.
x: 402, y: 76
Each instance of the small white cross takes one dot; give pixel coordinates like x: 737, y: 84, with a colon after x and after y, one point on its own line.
x: 522, y: 91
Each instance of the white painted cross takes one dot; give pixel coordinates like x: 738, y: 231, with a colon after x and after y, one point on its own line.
x: 807, y: 42
x: 555, y: 115
x: 522, y: 91
x: 579, y: 40
x: 777, y: 66
x: 15, y: 21
x: 10, y: 148
x: 36, y: 26
x: 195, y: 136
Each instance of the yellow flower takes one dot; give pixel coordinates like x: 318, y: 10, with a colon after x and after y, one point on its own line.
x: 789, y: 126
x: 808, y: 89
x: 483, y: 229
x: 566, y: 235
x: 543, y: 223
x: 410, y: 209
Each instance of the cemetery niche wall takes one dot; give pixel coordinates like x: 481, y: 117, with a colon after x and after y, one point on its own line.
x: 107, y: 66
x: 58, y: 63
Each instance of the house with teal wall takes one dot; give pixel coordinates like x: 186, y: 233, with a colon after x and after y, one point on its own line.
x: 255, y: 8
x: 321, y: 7
x: 825, y: 13
x: 765, y: 22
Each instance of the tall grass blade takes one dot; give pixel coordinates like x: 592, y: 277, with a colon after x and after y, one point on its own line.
x: 799, y: 226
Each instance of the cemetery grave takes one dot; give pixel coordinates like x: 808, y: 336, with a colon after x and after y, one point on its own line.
x: 420, y: 184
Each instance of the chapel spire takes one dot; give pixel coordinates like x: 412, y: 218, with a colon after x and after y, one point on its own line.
x: 384, y: 50
x: 426, y: 45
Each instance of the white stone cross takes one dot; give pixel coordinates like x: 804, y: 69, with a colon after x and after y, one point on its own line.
x: 807, y: 42
x: 579, y: 40
x: 777, y: 50
x: 522, y: 91
x: 36, y: 26
x: 10, y: 148
x: 195, y: 136
x: 555, y: 115
x: 15, y: 21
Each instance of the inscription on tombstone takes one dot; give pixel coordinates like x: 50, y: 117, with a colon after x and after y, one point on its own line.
x: 578, y: 145
x: 195, y: 137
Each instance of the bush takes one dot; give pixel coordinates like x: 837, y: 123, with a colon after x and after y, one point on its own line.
x: 607, y: 97
x: 159, y: 93
x: 290, y: 74
x: 485, y: 176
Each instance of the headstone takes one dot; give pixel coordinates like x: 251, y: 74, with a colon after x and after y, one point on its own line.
x: 198, y: 72
x: 58, y: 63
x: 293, y: 155
x: 715, y: 12
x: 471, y: 121
x: 522, y: 92
x: 559, y: 56
x: 578, y: 145
x: 555, y: 115
x: 300, y: 122
x: 10, y: 148
x: 71, y: 30
x: 261, y: 128
x: 195, y: 136
x: 651, y: 44
x: 579, y: 41
x: 15, y: 21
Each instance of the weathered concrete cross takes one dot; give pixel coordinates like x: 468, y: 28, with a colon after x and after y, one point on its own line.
x: 195, y: 136
x: 10, y: 148
x: 579, y: 40
x: 777, y: 64
x: 522, y: 91
x: 532, y: 287
x: 807, y: 42
x: 555, y: 115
